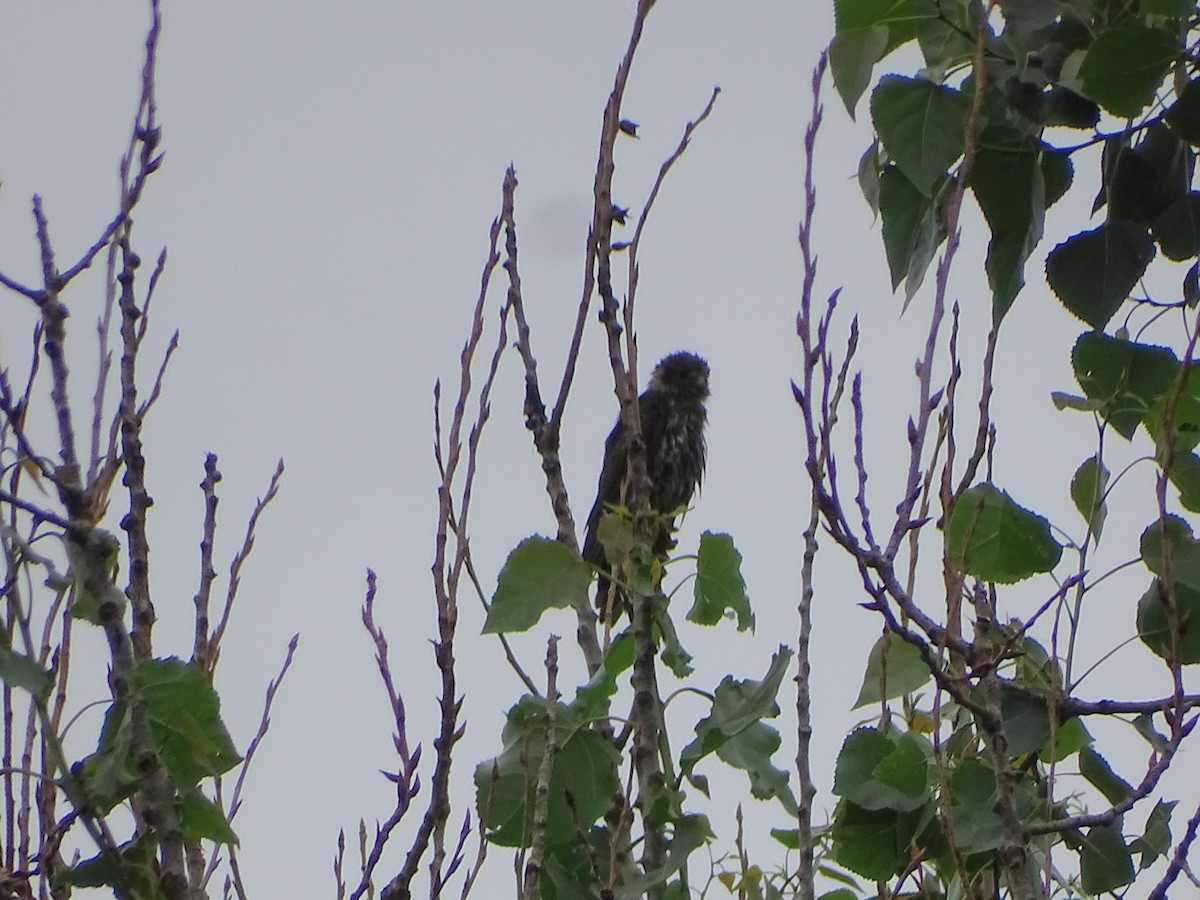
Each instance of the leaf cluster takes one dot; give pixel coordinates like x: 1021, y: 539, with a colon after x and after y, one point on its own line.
x: 580, y: 810
x: 1016, y: 101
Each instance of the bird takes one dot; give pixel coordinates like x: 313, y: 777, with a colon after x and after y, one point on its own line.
x: 673, y: 417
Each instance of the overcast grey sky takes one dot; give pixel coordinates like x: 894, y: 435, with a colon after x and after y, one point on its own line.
x: 331, y: 173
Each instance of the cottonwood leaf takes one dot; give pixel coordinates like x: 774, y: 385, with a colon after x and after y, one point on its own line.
x: 539, y: 574
x: 995, y: 539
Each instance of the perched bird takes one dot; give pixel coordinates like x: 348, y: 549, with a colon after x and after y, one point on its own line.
x: 673, y: 417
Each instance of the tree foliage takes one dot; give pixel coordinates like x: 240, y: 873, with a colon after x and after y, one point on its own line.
x: 1010, y: 105
x: 975, y: 773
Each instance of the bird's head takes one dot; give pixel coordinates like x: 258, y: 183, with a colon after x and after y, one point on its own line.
x: 683, y: 374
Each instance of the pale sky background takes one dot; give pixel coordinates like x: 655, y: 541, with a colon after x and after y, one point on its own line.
x: 331, y: 173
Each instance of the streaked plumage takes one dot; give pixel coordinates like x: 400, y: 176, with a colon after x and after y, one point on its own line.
x: 673, y: 418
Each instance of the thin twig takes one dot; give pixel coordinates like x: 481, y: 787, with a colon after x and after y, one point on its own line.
x: 235, y: 568
x: 545, y: 433
x: 635, y: 244
x: 531, y: 888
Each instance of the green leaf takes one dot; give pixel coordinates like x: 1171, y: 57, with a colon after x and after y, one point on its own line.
x: 1096, y: 769
x: 1156, y: 841
x: 539, y: 574
x: 1140, y: 182
x: 1143, y: 724
x: 870, y: 843
x: 1170, y: 551
x: 591, y: 699
x: 894, y: 668
x: 1104, y: 861
x: 735, y: 732
x: 906, y: 769
x: 992, y: 538
x: 976, y: 823
x: 865, y: 32
x: 201, y: 819
x: 188, y: 735
x: 688, y: 834
x: 185, y: 719
x: 18, y: 670
x: 110, y: 775
x: 1126, y: 378
x: 1156, y: 623
x: 1177, y: 230
x: 1184, y: 473
x: 751, y: 750
x: 912, y: 229
x: 134, y: 869
x: 852, y: 59
x: 944, y: 31
x: 674, y: 655
x: 1125, y: 66
x: 1007, y: 179
x: 1028, y: 15
x: 1058, y: 173
x: 719, y: 584
x: 93, y: 568
x: 920, y: 124
x: 1072, y: 737
x: 877, y: 771
x: 1026, y: 719
x: 1171, y: 9
x: 1092, y: 272
x: 585, y: 767
x: 1173, y: 420
x: 1087, y: 491
x: 869, y: 170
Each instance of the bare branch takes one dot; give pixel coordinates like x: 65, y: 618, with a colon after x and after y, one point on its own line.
x: 235, y: 568
x: 635, y: 244
x: 531, y: 889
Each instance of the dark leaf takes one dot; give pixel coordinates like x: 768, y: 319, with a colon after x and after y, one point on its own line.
x: 1161, y: 624
x: 1191, y: 286
x: 1177, y: 230
x: 1095, y: 768
x: 865, y: 32
x: 870, y: 843
x: 912, y: 230
x: 1104, y: 861
x: 944, y: 31
x: 1170, y: 551
x: 1126, y: 65
x: 1184, y: 114
x: 1126, y: 378
x: 1008, y: 183
x: 1093, y: 272
x: 1087, y: 491
x: 1156, y: 841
